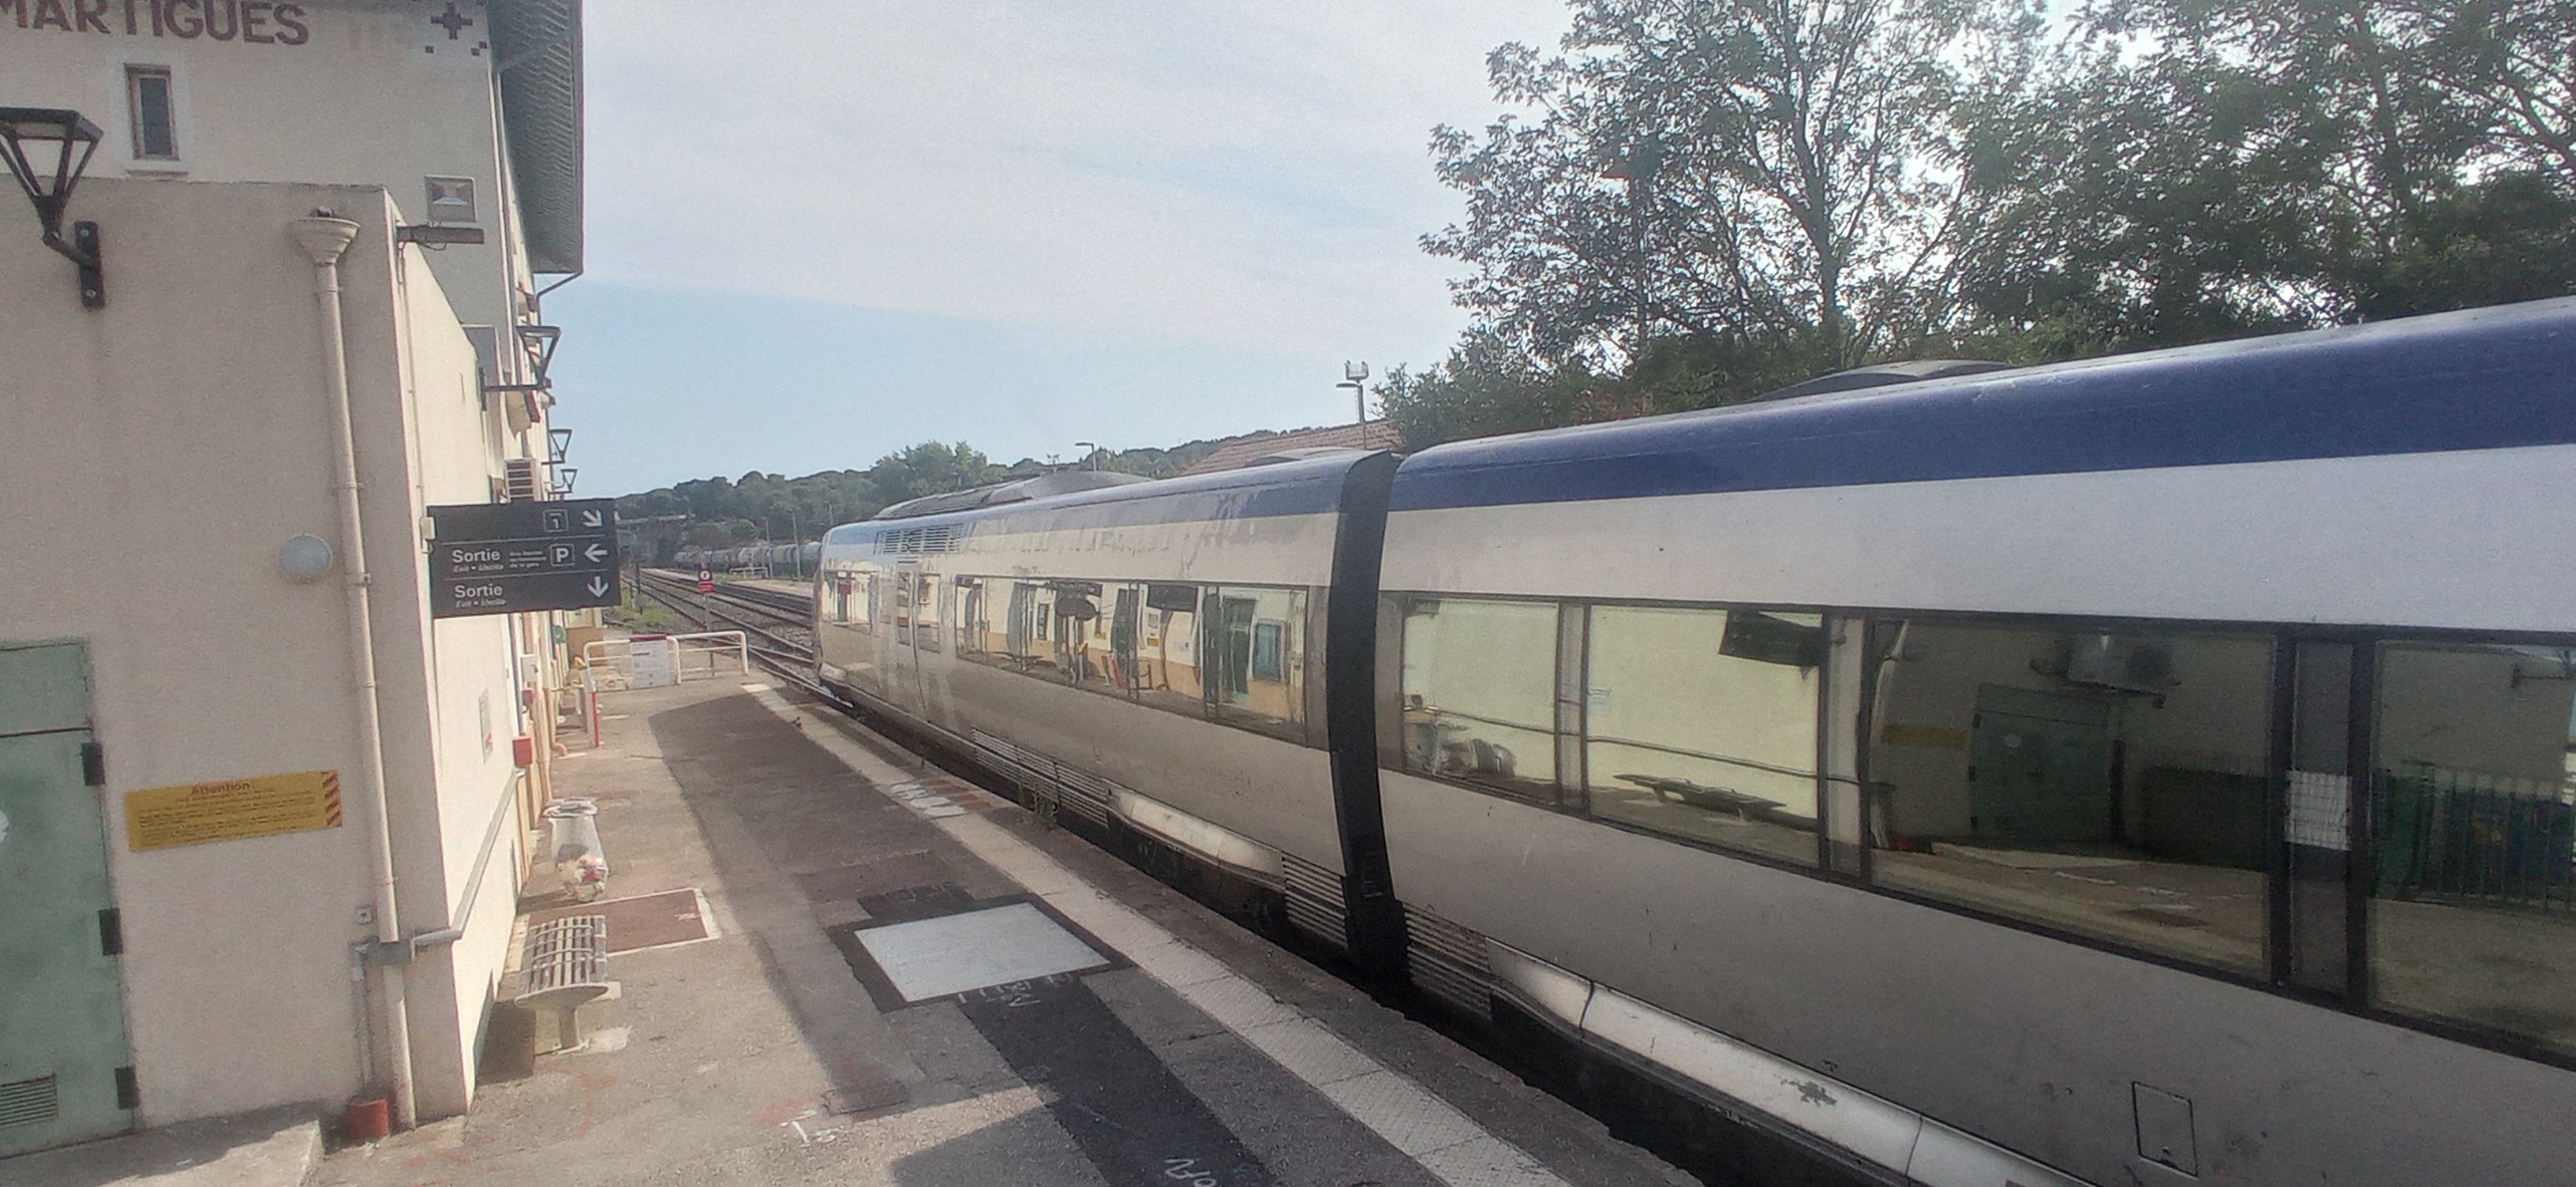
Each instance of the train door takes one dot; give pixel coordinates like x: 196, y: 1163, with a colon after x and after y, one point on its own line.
x: 1122, y: 638
x: 1234, y: 629
x: 64, y: 1072
x: 2039, y: 767
x: 903, y: 668
x: 935, y: 631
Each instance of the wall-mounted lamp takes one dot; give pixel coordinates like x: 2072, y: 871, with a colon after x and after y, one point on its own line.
x: 49, y: 186
x: 304, y: 557
x: 538, y: 343
x: 563, y: 478
x: 558, y: 445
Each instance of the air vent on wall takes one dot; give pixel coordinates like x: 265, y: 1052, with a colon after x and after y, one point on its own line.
x: 26, y: 1102
x: 519, y: 478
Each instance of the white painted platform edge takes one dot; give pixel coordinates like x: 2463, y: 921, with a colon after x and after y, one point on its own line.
x: 1452, y: 1146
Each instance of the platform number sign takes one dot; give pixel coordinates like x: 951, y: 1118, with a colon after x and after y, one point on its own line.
x: 503, y: 558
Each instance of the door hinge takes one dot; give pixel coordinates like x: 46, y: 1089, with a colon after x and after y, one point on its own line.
x: 93, y: 764
x: 128, y: 1096
x: 111, y: 932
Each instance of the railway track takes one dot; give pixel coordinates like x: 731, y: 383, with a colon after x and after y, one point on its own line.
x: 777, y: 625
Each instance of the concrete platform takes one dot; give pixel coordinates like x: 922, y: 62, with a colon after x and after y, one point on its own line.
x: 823, y: 1035
x: 275, y: 1148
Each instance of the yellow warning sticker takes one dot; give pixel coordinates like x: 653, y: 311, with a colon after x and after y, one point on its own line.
x: 168, y: 817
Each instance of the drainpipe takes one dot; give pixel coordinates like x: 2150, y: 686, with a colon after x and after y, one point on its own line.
x: 324, y: 237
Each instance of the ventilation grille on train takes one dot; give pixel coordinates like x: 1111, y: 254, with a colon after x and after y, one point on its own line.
x: 1448, y: 961
x: 1080, y: 792
x: 1314, y: 899
x: 914, y: 541
x: 26, y: 1102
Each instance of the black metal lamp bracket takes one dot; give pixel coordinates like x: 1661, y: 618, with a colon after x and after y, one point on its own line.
x: 83, y: 252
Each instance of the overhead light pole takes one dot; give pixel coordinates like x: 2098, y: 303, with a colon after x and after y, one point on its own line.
x: 1091, y: 452
x: 1355, y: 377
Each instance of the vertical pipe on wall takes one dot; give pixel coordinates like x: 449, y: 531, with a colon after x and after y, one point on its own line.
x: 324, y: 238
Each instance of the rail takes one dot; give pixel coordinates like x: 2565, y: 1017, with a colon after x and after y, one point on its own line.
x: 616, y: 658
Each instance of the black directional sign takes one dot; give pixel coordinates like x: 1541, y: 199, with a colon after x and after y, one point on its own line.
x: 501, y: 558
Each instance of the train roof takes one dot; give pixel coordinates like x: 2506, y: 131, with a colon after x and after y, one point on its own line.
x: 1300, y: 486
x: 2478, y: 379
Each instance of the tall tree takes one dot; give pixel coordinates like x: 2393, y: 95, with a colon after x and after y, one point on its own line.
x: 1731, y: 169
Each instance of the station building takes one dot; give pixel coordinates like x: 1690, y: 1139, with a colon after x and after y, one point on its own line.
x: 232, y: 874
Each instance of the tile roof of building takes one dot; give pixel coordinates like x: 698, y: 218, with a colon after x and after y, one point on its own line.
x: 1238, y: 452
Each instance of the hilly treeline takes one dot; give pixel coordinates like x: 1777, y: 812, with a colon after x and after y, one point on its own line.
x: 1696, y: 201
x: 757, y: 507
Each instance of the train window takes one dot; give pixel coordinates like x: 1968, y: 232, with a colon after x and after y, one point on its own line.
x: 1701, y: 723
x: 1164, y: 652
x: 2473, y: 820
x: 1254, y: 639
x: 1479, y: 693
x: 973, y: 620
x: 1027, y: 643
x: 925, y: 635
x: 2108, y: 783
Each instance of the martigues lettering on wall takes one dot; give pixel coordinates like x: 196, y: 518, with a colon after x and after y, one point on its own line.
x: 259, y: 22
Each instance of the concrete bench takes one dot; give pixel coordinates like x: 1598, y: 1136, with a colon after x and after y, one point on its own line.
x: 564, y: 967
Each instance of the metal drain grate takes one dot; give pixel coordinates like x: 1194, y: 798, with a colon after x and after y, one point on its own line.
x: 26, y: 1102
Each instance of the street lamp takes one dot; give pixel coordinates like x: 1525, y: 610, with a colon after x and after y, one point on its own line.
x: 1091, y: 452
x: 1355, y: 377
x: 558, y: 444
x: 51, y: 190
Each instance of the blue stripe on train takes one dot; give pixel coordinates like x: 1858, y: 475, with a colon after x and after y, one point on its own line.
x: 1308, y: 487
x: 2481, y: 379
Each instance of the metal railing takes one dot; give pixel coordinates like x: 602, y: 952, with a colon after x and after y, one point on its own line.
x: 608, y: 665
x: 2473, y: 837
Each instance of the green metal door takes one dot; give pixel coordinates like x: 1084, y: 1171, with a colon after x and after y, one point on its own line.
x: 63, y: 1063
x: 2039, y: 767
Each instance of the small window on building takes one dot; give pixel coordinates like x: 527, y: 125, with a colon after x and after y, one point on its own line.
x: 156, y: 128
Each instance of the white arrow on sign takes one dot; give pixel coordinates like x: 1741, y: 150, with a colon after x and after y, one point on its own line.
x: 599, y: 587
x: 596, y: 554
x: 590, y: 519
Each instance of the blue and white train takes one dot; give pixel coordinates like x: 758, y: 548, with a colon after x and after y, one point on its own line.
x: 2142, y: 770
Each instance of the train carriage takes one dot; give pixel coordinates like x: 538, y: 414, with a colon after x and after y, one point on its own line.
x: 1150, y: 653
x: 2143, y: 770
x: 2002, y: 755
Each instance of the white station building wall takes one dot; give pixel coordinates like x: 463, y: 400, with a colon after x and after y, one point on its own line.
x: 162, y: 450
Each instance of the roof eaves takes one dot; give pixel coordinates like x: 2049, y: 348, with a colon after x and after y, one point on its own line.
x: 536, y: 47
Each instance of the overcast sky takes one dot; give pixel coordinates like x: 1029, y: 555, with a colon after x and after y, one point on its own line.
x: 821, y: 231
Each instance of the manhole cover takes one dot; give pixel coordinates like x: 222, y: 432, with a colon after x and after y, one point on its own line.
x: 926, y: 959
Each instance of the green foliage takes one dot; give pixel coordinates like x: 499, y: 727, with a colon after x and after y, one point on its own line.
x: 760, y: 507
x: 1701, y: 200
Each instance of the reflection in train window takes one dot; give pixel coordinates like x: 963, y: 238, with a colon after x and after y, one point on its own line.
x: 2111, y: 784
x: 2473, y: 816
x: 1232, y: 653
x: 1479, y: 703
x: 1241, y: 687
x: 1701, y: 723
x: 925, y: 602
